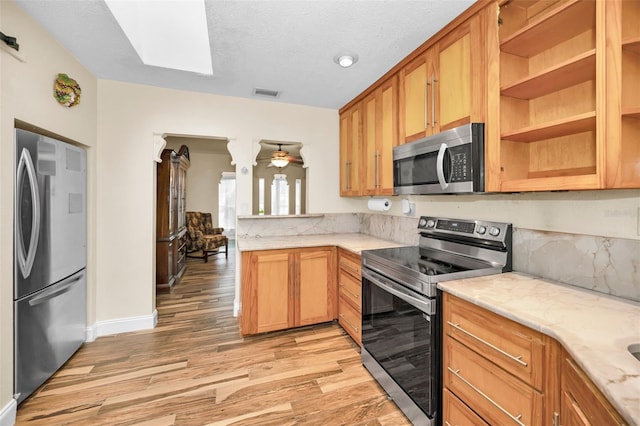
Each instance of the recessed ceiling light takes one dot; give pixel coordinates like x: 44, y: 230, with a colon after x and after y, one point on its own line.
x: 168, y: 34
x: 346, y: 60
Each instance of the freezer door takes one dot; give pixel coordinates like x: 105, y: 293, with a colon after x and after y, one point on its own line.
x: 49, y: 327
x: 50, y: 212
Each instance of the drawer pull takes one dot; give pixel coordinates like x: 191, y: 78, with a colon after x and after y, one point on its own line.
x: 345, y: 265
x: 495, y: 404
x: 517, y: 359
x: 352, y: 294
x: 348, y: 322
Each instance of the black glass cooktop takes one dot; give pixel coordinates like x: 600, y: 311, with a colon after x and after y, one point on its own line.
x: 420, y: 260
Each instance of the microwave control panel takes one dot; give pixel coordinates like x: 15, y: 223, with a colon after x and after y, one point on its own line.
x: 460, y: 163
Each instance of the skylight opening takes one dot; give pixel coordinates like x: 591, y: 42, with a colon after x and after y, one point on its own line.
x: 167, y: 34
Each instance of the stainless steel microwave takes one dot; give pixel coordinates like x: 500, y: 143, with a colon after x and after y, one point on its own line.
x: 449, y: 162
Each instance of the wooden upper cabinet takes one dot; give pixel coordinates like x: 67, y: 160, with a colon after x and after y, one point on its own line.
x: 380, y: 135
x: 456, y: 85
x: 417, y: 115
x: 552, y: 97
x: 351, y: 151
x: 623, y: 89
x: 445, y: 86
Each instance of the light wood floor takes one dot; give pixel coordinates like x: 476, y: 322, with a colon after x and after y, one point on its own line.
x: 195, y: 369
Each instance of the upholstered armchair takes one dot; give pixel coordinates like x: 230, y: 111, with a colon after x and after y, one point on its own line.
x: 203, y: 237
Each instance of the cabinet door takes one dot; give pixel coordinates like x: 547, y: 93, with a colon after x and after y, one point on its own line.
x: 267, y: 291
x: 415, y: 98
x: 316, y: 291
x: 380, y: 135
x: 350, y: 151
x: 581, y: 402
x: 454, y: 85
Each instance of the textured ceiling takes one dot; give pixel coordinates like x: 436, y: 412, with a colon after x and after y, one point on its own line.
x: 287, y: 46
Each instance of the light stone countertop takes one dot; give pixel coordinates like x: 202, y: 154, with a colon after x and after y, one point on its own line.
x: 354, y: 242
x: 594, y: 328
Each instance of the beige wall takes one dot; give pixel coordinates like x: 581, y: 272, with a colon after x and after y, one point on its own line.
x: 26, y: 94
x: 204, y: 176
x: 129, y: 116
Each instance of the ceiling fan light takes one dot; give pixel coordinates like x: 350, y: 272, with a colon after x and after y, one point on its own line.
x: 279, y: 162
x: 280, y: 158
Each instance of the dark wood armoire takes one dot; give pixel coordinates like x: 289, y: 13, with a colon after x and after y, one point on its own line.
x: 171, y: 251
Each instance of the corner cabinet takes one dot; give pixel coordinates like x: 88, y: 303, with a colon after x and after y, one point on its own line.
x: 287, y: 288
x: 581, y: 403
x: 171, y: 255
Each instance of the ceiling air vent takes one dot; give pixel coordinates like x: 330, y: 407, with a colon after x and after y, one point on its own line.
x: 266, y: 92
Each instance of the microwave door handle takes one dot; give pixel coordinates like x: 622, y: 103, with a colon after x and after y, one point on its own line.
x: 440, y: 166
x: 25, y: 261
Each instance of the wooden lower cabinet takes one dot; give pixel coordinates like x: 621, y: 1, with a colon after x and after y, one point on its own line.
x: 508, y: 374
x: 492, y: 392
x: 456, y: 412
x: 581, y: 402
x: 287, y: 288
x: 350, y: 294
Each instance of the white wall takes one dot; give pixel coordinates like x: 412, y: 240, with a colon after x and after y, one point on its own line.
x: 128, y: 117
x: 607, y: 213
x: 26, y: 94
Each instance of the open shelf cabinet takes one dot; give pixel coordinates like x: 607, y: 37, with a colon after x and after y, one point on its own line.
x: 623, y: 156
x: 550, y: 113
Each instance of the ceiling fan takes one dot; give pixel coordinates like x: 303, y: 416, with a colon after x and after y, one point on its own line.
x: 280, y: 158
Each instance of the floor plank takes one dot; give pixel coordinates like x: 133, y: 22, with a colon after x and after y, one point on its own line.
x: 194, y: 368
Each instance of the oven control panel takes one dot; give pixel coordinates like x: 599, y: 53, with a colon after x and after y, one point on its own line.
x: 478, y: 229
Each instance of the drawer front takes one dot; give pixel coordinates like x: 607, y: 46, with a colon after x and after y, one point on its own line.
x: 350, y: 319
x: 350, y: 263
x: 351, y: 289
x: 514, y: 347
x: 456, y: 413
x: 494, y: 394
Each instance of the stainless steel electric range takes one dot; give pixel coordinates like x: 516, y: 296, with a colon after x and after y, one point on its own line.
x: 401, y: 323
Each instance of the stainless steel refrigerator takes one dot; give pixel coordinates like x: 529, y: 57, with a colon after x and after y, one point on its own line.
x: 50, y: 233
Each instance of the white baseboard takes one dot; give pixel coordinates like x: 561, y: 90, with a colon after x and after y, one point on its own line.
x: 121, y: 325
x: 8, y: 413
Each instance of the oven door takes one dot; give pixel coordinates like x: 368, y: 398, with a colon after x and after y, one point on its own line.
x: 400, y: 337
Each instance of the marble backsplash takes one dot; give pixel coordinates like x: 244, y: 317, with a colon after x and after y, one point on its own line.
x: 606, y: 265
x: 271, y: 226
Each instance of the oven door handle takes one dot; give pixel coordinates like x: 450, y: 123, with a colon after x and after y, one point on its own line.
x: 426, y: 306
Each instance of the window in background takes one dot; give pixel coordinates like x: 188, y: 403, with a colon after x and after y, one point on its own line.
x: 261, y: 196
x: 227, y: 204
x: 279, y: 195
x: 298, y: 196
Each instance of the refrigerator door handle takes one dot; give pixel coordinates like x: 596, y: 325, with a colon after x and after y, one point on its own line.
x: 26, y: 260
x: 50, y: 294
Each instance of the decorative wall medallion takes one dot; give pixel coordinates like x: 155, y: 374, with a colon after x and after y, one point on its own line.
x: 66, y: 91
